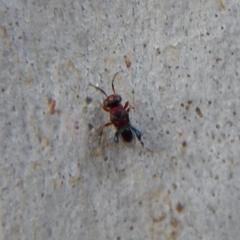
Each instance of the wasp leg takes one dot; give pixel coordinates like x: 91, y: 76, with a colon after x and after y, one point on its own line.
x: 101, y: 132
x: 116, y: 138
x: 105, y: 125
x: 127, y: 106
x: 105, y: 109
x: 138, y: 134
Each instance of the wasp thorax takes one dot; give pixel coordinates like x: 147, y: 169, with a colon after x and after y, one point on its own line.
x: 112, y: 100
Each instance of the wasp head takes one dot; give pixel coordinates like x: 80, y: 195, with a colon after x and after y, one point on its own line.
x: 112, y: 101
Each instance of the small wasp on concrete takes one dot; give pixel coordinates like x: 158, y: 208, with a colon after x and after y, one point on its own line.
x: 119, y: 116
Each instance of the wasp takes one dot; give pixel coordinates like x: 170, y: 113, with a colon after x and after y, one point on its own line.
x: 119, y: 116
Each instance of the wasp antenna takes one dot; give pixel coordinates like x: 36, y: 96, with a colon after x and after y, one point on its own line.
x: 98, y: 89
x: 139, y: 135
x: 113, y: 81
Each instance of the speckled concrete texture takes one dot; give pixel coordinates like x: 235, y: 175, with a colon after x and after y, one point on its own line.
x: 179, y: 67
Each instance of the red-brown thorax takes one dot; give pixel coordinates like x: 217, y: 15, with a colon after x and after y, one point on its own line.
x: 119, y: 116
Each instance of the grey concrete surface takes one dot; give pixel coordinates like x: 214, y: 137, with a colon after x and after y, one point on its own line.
x: 179, y: 67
